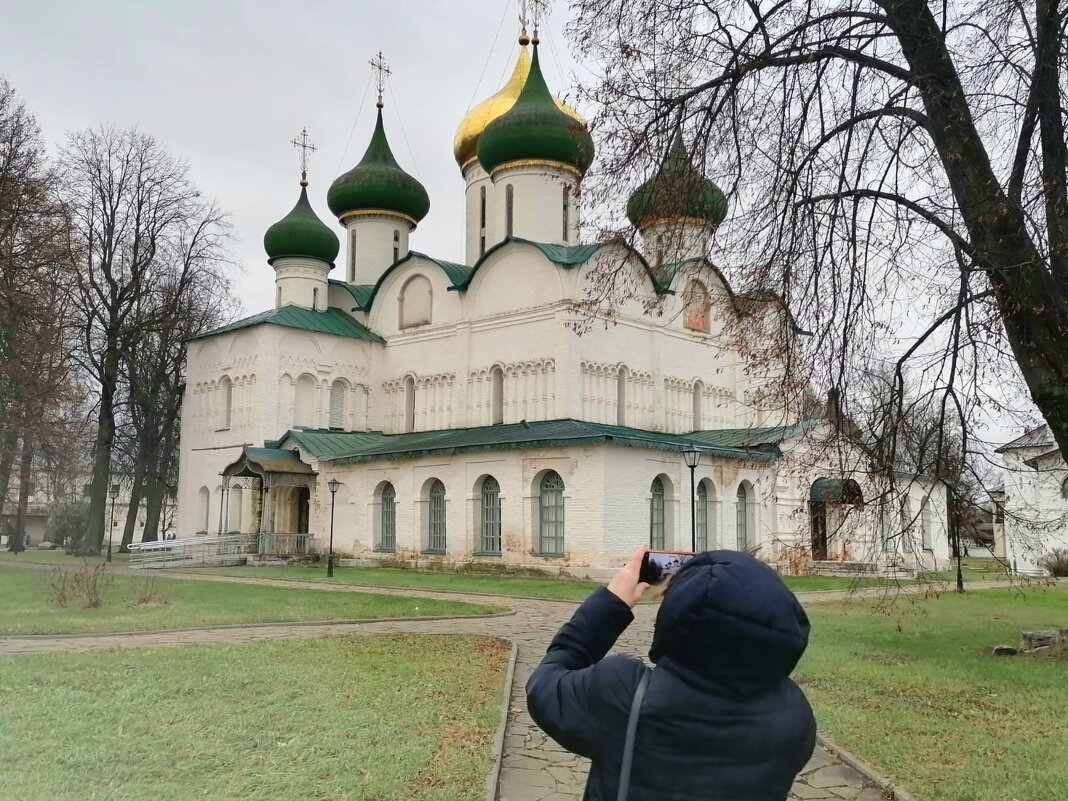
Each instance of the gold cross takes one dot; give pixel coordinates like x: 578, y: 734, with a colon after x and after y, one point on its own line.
x: 381, y: 71
x: 304, y: 145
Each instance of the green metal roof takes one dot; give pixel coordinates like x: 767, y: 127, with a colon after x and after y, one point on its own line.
x: 361, y: 293
x: 567, y: 256
x: 677, y: 190
x: 349, y: 447
x: 332, y: 321
x: 753, y: 437
x: 257, y: 461
x: 301, y: 233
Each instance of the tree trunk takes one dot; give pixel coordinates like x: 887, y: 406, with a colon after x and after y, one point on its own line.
x: 137, y: 491
x: 18, y: 539
x: 155, y: 492
x: 8, y: 448
x: 105, y: 437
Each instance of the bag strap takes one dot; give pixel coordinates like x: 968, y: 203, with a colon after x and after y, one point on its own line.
x: 628, y: 743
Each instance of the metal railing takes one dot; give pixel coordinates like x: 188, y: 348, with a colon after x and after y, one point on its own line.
x: 227, y: 549
x: 286, y: 545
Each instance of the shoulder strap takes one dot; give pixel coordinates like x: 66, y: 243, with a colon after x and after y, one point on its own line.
x: 628, y: 743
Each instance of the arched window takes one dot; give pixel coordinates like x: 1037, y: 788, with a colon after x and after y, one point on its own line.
x: 205, y: 508
x: 621, y: 396
x: 227, y: 387
x: 304, y: 402
x: 387, y: 538
x: 567, y: 213
x: 696, y: 306
x: 315, y: 298
x: 508, y: 210
x: 698, y: 397
x: 706, y: 499
x: 415, y: 302
x: 436, y: 522
x: 338, y: 393
x: 497, y: 395
x: 906, y: 525
x: 925, y: 525
x: 352, y: 256
x: 409, y: 404
x: 656, y: 515
x: 396, y: 245
x: 482, y: 221
x: 744, y: 517
x: 551, y: 515
x: 490, y: 516
x: 278, y: 300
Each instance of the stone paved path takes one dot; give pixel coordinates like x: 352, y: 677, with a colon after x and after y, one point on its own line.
x: 534, y: 768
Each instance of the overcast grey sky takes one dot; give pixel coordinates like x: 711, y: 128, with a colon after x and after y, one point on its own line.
x: 227, y: 84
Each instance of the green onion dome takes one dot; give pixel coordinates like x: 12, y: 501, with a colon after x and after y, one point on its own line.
x: 535, y: 129
x: 678, y: 190
x: 378, y: 183
x: 301, y: 233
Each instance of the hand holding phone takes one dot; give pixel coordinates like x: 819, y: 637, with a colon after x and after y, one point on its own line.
x: 659, y: 566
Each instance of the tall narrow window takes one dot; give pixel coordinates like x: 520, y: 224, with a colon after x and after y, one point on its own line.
x: 481, y: 221
x: 490, y: 516
x: 278, y: 301
x: 304, y: 402
x: 396, y: 245
x: 551, y: 515
x: 205, y: 508
x: 227, y: 387
x: 497, y: 395
x: 409, y: 404
x: 338, y: 390
x: 621, y: 396
x: 925, y: 525
x: 698, y: 417
x: 742, y: 518
x: 906, y: 525
x: 656, y: 515
x: 702, y: 517
x: 436, y: 533
x: 315, y: 298
x: 388, y: 523
x: 508, y: 210
x: 567, y: 213
x: 352, y: 257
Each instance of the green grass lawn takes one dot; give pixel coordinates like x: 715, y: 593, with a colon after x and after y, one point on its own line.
x: 186, y: 604
x: 347, y: 719
x: 911, y: 690
x: 57, y: 557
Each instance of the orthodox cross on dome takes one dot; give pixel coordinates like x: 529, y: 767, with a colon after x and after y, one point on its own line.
x: 304, y: 145
x: 530, y: 14
x: 382, y: 71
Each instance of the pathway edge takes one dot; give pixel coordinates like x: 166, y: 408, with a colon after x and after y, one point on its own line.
x: 890, y: 790
x: 493, y: 780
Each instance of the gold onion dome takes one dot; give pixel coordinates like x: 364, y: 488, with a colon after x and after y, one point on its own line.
x: 465, y: 143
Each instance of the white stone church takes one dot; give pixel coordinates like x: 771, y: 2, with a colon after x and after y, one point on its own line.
x: 465, y: 416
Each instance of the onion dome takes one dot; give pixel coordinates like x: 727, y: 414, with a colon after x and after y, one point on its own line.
x: 535, y: 129
x: 378, y: 183
x: 677, y: 191
x: 301, y: 233
x: 465, y: 143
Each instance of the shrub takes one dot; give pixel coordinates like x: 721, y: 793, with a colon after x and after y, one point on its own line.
x: 1056, y: 562
x: 83, y: 586
x: 67, y: 521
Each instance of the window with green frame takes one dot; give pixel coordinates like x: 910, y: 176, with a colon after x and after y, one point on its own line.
x: 490, y: 516
x: 387, y: 540
x: 436, y: 533
x: 702, y: 517
x: 656, y: 515
x: 551, y: 515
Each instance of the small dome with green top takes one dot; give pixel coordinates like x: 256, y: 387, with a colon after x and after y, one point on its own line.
x: 378, y: 183
x: 535, y: 129
x: 301, y: 233
x: 678, y: 190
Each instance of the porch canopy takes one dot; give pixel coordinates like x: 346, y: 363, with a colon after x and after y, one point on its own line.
x: 836, y: 490
x: 267, y: 469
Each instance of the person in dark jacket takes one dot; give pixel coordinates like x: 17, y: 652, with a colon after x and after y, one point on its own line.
x: 721, y: 719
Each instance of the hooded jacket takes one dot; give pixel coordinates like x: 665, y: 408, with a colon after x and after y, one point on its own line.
x: 721, y: 720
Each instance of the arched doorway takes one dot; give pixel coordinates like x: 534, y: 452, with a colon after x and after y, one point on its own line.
x: 828, y: 499
x: 303, y: 509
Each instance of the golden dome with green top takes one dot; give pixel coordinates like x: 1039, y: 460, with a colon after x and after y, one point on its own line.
x: 677, y: 191
x: 301, y: 234
x: 378, y: 183
x: 465, y: 143
x: 535, y: 129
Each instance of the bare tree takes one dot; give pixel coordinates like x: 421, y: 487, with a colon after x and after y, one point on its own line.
x: 139, y: 223
x: 898, y: 174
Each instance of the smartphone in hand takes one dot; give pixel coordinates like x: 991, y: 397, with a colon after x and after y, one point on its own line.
x: 658, y: 566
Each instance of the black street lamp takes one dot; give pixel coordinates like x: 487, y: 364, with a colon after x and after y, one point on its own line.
x: 693, y: 458
x: 113, y: 493
x: 333, y: 484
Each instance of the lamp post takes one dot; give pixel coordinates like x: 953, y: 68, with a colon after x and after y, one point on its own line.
x: 693, y: 458
x: 333, y: 484
x: 113, y: 493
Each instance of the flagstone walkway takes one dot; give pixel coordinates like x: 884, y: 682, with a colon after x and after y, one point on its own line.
x: 534, y: 768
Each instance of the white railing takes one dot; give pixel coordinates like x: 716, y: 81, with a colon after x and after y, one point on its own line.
x: 227, y: 549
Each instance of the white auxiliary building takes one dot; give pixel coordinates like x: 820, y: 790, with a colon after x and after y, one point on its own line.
x: 465, y: 418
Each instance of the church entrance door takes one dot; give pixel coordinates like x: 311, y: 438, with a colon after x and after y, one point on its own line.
x: 818, y: 511
x: 303, y: 509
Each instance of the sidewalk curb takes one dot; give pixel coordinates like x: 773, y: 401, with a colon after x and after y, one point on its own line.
x: 230, y: 626
x: 494, y: 778
x: 891, y: 792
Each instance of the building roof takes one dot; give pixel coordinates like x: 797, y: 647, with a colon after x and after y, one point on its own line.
x: 361, y: 293
x: 257, y: 461
x: 341, y: 447
x: 332, y: 321
x: 301, y: 233
x: 678, y: 191
x: 1038, y: 437
x: 754, y: 437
